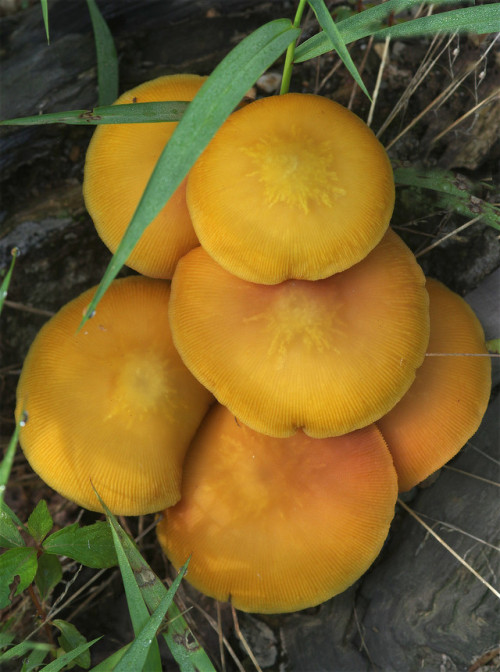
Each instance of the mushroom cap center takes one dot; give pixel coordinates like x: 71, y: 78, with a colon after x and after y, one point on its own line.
x: 297, y: 171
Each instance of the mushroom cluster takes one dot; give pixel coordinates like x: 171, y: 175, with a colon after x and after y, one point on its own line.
x: 298, y: 310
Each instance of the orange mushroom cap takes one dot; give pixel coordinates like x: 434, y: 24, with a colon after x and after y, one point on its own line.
x: 112, y: 405
x: 292, y: 186
x: 119, y: 163
x: 277, y: 525
x: 327, y: 357
x: 445, y: 405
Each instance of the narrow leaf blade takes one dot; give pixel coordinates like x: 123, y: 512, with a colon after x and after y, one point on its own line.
x: 107, y: 61
x: 61, y: 662
x: 133, y: 113
x: 134, y: 658
x: 216, y: 99
x: 328, y: 24
x: 45, y: 14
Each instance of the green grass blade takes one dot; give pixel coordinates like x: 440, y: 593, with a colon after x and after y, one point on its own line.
x: 107, y: 61
x: 4, y: 287
x: 327, y: 23
x: 134, y: 659
x: 21, y: 649
x: 455, y: 192
x: 481, y: 19
x: 133, y: 113
x: 357, y: 27
x: 61, y: 662
x: 218, y: 96
x: 6, y: 464
x: 45, y: 14
x: 188, y: 653
x: 138, y: 611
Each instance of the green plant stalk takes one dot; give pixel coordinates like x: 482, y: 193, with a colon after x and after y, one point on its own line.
x: 290, y: 52
x: 6, y: 281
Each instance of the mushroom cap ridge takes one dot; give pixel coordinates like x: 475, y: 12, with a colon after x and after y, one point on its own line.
x: 291, y: 187
x: 446, y: 403
x: 277, y: 525
x: 119, y: 162
x: 328, y: 356
x: 111, y: 405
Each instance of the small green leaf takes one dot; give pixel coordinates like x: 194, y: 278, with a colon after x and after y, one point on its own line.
x: 216, y: 99
x: 91, y: 545
x: 130, y: 113
x: 9, y: 534
x: 493, y: 346
x: 40, y: 521
x: 16, y: 562
x: 327, y: 23
x: 48, y: 574
x: 107, y: 61
x: 67, y: 658
x: 135, y: 658
x: 6, y: 635
x: 70, y: 639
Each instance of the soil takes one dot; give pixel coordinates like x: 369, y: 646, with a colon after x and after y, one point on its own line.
x: 417, y: 608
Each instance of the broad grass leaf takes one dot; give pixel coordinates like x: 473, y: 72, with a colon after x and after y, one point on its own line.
x: 91, y: 545
x: 218, y: 96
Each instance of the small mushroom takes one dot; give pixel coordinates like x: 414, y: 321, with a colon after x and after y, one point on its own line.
x: 277, y: 525
x: 118, y: 165
x: 112, y: 405
x: 446, y: 403
x: 291, y: 187
x: 327, y: 357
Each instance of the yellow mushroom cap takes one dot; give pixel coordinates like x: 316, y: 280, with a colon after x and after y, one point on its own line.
x: 327, y: 357
x: 445, y: 405
x: 292, y: 186
x: 277, y: 525
x: 112, y: 405
x: 118, y: 165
